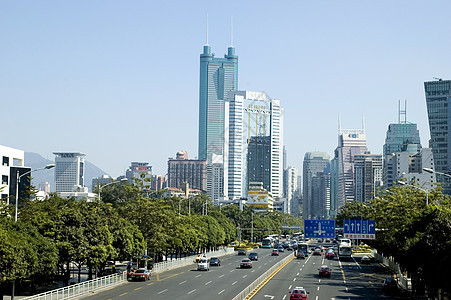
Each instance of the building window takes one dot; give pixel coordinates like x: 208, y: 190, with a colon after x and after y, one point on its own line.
x: 4, y: 196
x: 5, y: 179
x: 5, y: 161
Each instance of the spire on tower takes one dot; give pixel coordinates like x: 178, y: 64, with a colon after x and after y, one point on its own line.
x: 231, y: 31
x: 206, y: 44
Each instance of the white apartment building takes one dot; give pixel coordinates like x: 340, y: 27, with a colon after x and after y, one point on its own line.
x: 12, y: 162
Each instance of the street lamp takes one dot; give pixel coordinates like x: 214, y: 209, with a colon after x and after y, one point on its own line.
x: 18, y: 182
x: 428, y: 170
x: 418, y: 188
x: 113, y: 182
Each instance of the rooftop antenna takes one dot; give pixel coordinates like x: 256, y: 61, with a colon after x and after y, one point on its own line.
x: 402, y: 112
x: 231, y: 32
x: 207, y: 32
x: 363, y: 122
x: 339, y: 124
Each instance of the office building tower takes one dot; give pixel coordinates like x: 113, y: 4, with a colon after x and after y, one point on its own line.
x: 368, y: 176
x: 217, y: 77
x: 183, y: 170
x: 11, y: 167
x: 69, y: 172
x: 254, y: 145
x: 333, y: 210
x: 139, y: 170
x: 401, y: 137
x: 44, y: 187
x: 316, y: 169
x: 409, y: 166
x: 438, y: 101
x: 351, y: 142
x: 291, y: 186
x: 215, y: 179
x: 159, y: 182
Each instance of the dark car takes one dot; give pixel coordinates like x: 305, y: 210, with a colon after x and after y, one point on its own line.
x: 389, y: 285
x: 281, y: 249
x: 300, y: 254
x: 253, y: 256
x: 298, y: 293
x: 275, y: 252
x: 107, y: 272
x: 365, y: 260
x: 317, y: 251
x: 241, y: 252
x: 215, y: 261
x: 324, y: 271
x: 245, y: 263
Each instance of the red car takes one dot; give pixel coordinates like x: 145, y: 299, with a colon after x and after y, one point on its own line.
x: 141, y: 274
x: 324, y: 271
x: 298, y: 293
x: 246, y: 263
x: 275, y: 252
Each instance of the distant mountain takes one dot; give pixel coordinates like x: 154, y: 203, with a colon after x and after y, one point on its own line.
x: 35, y: 161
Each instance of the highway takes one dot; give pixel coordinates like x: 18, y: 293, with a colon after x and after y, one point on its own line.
x: 223, y: 282
x: 349, y: 280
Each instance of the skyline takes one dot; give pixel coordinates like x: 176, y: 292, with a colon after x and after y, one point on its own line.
x: 111, y: 68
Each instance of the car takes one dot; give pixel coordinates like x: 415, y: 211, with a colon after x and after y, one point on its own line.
x: 275, y: 252
x: 290, y: 248
x: 298, y: 293
x: 241, y: 252
x: 320, y: 240
x: 317, y: 251
x: 324, y: 271
x: 389, y: 285
x: 245, y: 263
x: 141, y: 274
x: 300, y: 254
x: 365, y: 259
x: 330, y: 254
x: 215, y: 261
x: 199, y: 256
x: 253, y: 256
x: 203, y: 264
x: 281, y: 249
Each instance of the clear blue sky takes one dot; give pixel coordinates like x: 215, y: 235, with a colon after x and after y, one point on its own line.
x: 119, y: 80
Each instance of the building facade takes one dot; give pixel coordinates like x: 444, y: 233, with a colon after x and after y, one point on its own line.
x: 368, y: 176
x: 438, y: 101
x: 69, y: 172
x: 12, y: 165
x: 316, y: 168
x: 140, y: 170
x: 409, y: 166
x: 290, y: 187
x: 182, y: 170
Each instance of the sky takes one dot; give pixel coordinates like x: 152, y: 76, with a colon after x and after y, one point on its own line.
x: 119, y: 80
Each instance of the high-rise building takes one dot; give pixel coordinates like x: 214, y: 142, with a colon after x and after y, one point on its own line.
x: 217, y: 77
x: 215, y: 179
x: 69, y: 172
x: 290, y: 186
x: 182, y: 170
x: 410, y: 167
x: 333, y: 210
x: 139, y: 170
x: 316, y: 169
x: 351, y: 142
x: 368, y: 176
x: 254, y: 144
x: 401, y: 137
x: 438, y: 101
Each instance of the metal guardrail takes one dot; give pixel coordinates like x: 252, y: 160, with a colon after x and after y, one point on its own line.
x: 403, y: 281
x: 81, y: 288
x: 260, y: 280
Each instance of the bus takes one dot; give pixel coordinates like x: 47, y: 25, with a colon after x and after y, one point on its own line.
x: 268, y: 242
x: 344, y: 249
x: 302, y: 247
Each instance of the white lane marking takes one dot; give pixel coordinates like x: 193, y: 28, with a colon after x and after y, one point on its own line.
x: 284, y: 297
x: 259, y: 267
x: 244, y: 276
x: 182, y: 282
x: 297, y: 274
x: 221, y: 292
x: 208, y: 282
x: 162, y: 291
x: 294, y: 279
x: 252, y: 271
x: 316, y: 298
x: 357, y: 263
x: 232, y: 270
x: 265, y: 264
x: 198, y: 275
x: 221, y: 275
x: 290, y: 287
x: 319, y: 280
x: 192, y: 291
x: 234, y: 282
x: 346, y: 289
x: 317, y: 289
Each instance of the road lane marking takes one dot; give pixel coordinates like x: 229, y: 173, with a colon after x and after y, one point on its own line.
x: 294, y: 279
x: 208, y: 282
x: 123, y: 294
x: 252, y: 271
x: 198, y: 275
x: 182, y: 282
x: 150, y: 283
x: 192, y: 291
x: 234, y: 282
x: 357, y: 263
x: 221, y: 276
x: 316, y: 298
x: 138, y: 288
x: 297, y: 274
x: 284, y: 297
x: 290, y: 287
x: 165, y: 290
x: 317, y: 289
x: 244, y: 276
x: 319, y: 280
x: 221, y: 292
x: 232, y: 270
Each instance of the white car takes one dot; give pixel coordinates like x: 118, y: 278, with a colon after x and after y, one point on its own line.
x: 203, y: 264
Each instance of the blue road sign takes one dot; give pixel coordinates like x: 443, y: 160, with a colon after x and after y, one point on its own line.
x: 359, y: 229
x: 314, y: 229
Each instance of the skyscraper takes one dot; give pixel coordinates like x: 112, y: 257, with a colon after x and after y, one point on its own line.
x: 217, y: 77
x: 182, y: 170
x: 438, y: 101
x: 316, y: 169
x: 69, y: 172
x: 368, y: 176
x: 351, y: 142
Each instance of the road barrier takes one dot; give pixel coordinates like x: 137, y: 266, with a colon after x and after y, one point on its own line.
x: 265, y: 277
x: 403, y: 281
x: 81, y: 288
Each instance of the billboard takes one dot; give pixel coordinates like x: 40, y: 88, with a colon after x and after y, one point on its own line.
x: 258, y: 198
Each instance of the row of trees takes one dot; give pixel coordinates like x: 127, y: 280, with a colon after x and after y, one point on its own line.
x: 416, y: 235
x: 53, y: 234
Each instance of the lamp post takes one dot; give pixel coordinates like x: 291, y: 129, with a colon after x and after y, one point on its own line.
x: 428, y: 170
x: 418, y: 188
x: 18, y: 182
x: 113, y: 182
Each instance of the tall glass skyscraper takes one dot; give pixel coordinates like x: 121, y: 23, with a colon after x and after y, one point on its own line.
x: 316, y: 185
x: 217, y: 77
x: 438, y: 101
